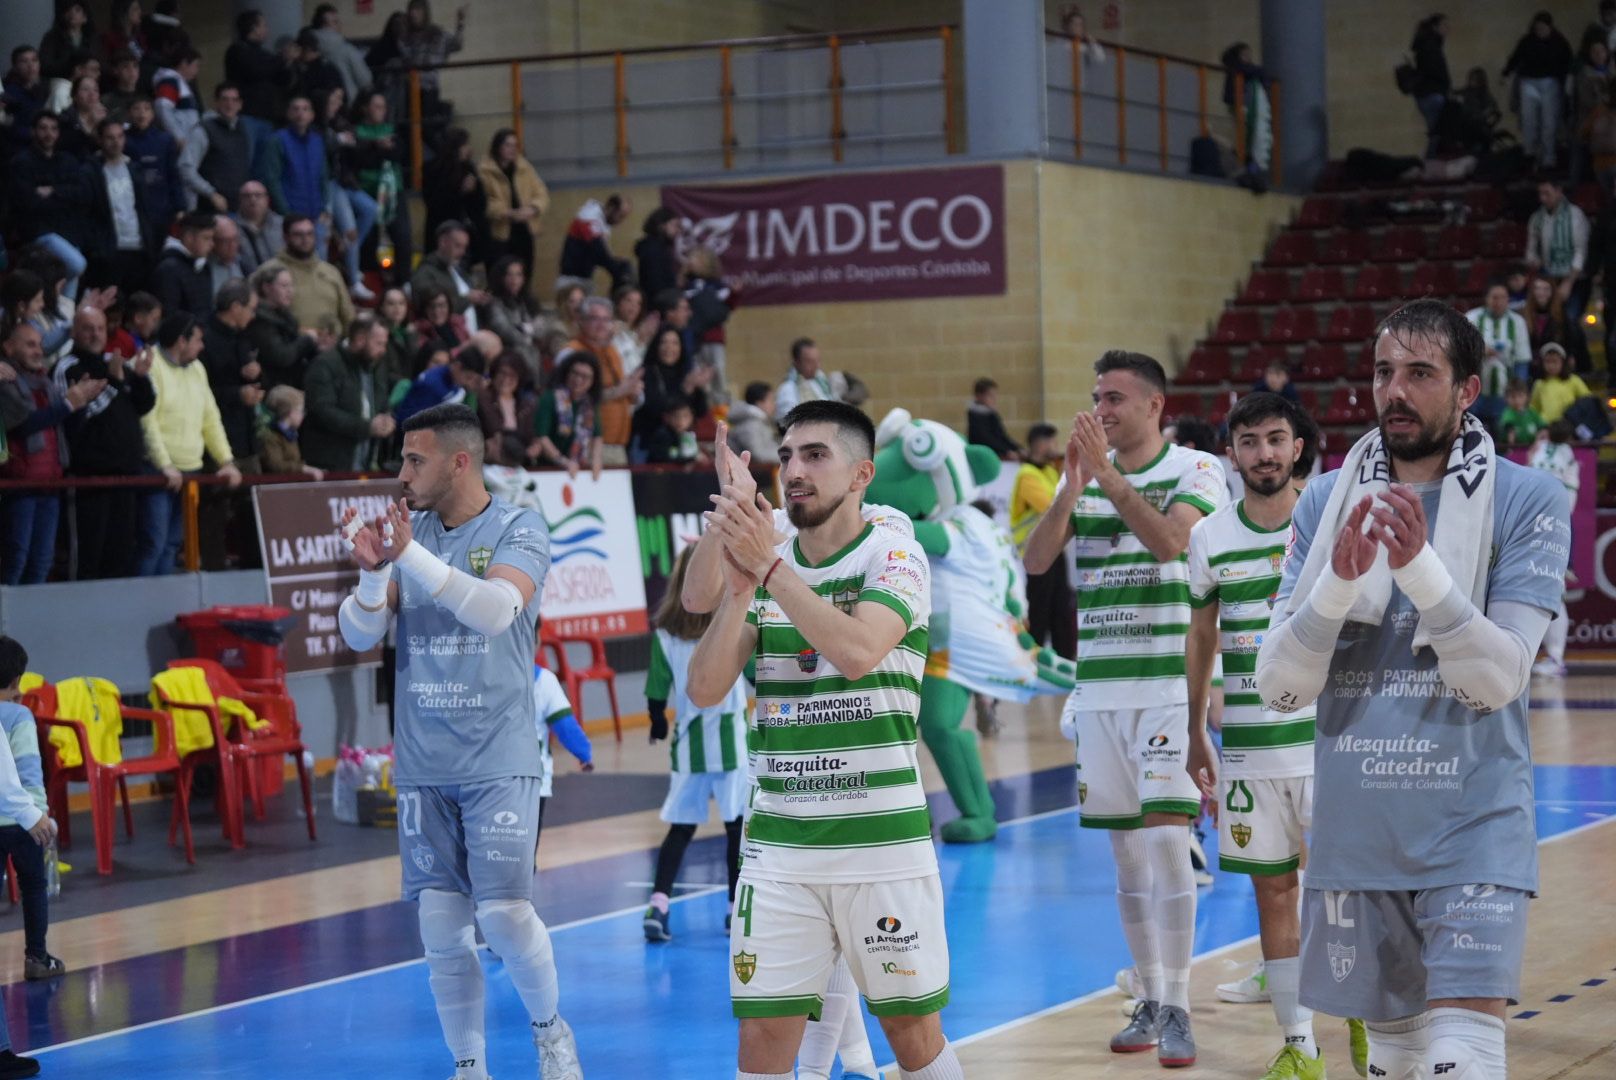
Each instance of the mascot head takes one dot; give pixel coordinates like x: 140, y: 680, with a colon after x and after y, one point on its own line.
x: 926, y: 469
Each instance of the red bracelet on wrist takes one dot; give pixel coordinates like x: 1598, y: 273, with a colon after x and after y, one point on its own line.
x: 772, y: 568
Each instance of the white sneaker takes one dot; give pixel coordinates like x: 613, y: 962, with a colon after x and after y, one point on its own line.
x: 1252, y: 990
x: 362, y: 293
x: 1549, y: 668
x: 558, y: 1053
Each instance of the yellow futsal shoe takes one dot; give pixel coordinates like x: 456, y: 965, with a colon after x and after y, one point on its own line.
x: 1292, y: 1064
x: 1360, y: 1046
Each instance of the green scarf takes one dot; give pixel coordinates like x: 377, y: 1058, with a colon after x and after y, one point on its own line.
x: 1562, y: 249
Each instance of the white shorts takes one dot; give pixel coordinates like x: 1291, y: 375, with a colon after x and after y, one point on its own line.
x: 1261, y: 822
x: 786, y: 935
x: 1130, y: 762
x: 689, y: 794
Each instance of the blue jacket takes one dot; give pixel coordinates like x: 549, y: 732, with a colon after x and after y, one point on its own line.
x: 22, y: 746
x: 156, y: 172
x: 295, y: 172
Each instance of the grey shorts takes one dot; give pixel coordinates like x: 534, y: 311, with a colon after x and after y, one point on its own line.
x: 472, y: 839
x: 1383, y: 955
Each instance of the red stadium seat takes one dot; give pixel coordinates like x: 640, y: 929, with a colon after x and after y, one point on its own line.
x: 1207, y: 365
x: 1266, y: 287
x: 1351, y: 322
x: 573, y: 678
x: 1485, y: 203
x: 1319, y: 213
x: 1237, y: 327
x: 1479, y: 276
x: 1180, y: 405
x: 1256, y: 361
x: 1344, y: 248
x: 1321, y: 283
x: 1457, y: 242
x: 1324, y: 361
x: 1434, y: 279
x: 1505, y: 240
x: 1405, y: 243
x: 1293, y: 324
x: 1291, y: 248
x: 1383, y: 282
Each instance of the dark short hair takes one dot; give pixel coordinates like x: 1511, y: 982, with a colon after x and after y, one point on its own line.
x: 1312, y: 441
x: 196, y: 221
x: 983, y: 385
x: 226, y: 85
x: 140, y: 303
x: 294, y: 219
x: 185, y: 55
x: 799, y: 345
x: 1517, y: 386
x: 45, y: 114
x: 447, y: 227
x: 667, y: 300
x: 13, y: 660
x: 1042, y: 430
x: 563, y: 368
x: 756, y: 392
x: 1561, y: 431
x: 457, y: 422
x: 20, y: 51
x: 1438, y: 322
x: 175, y: 328
x: 1146, y: 369
x: 1257, y: 407
x: 470, y: 359
x: 656, y: 219
x: 321, y: 12
x: 246, y: 21
x: 232, y: 292
x: 499, y: 136
x: 1550, y: 179
x: 122, y: 56
x: 363, y: 323
x: 674, y: 402
x: 308, y: 39
x: 847, y: 419
x: 1195, y: 432
x: 106, y: 122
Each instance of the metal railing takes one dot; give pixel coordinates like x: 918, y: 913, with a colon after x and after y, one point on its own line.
x: 744, y: 103
x: 1140, y: 109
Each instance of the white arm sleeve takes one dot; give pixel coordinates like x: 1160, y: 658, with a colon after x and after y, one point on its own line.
x: 1486, y: 660
x: 363, y: 617
x: 486, y: 606
x: 1294, y: 659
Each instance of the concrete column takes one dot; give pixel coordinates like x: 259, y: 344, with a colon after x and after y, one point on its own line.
x: 1004, y: 77
x: 1293, y: 51
x: 25, y: 23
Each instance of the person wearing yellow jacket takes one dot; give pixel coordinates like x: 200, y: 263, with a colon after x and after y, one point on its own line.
x: 517, y: 199
x: 1559, y: 388
x: 180, y: 428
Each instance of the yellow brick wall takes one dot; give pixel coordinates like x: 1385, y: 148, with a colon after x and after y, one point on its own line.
x: 1097, y: 259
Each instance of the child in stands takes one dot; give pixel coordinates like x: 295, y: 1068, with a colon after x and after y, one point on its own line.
x: 1518, y: 425
x: 278, y: 449
x: 707, y: 754
x: 26, y: 831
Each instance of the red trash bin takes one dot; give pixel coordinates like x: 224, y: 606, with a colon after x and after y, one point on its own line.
x: 245, y: 639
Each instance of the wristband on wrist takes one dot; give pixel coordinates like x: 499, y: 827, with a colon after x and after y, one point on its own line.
x: 770, y: 572
x: 419, y: 563
x: 371, y: 591
x: 1333, y: 597
x: 1425, y: 581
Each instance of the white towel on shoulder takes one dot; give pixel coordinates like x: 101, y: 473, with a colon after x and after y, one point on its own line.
x: 1464, y: 530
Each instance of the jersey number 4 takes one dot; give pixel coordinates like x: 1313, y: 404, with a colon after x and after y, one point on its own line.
x: 409, y: 812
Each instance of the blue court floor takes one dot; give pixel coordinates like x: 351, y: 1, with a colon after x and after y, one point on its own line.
x: 1031, y: 919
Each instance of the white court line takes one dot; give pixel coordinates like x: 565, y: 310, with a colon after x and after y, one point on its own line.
x: 576, y: 923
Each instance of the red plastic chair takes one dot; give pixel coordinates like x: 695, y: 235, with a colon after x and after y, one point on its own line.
x: 1207, y: 366
x: 1479, y: 276
x: 1457, y: 242
x: 1266, y: 287
x: 1256, y: 361
x: 1353, y: 322
x: 1382, y: 282
x: 1344, y: 248
x: 283, y: 736
x: 1292, y: 325
x: 1237, y: 327
x: 106, y: 782
x: 1319, y: 214
x: 1324, y: 362
x: 1485, y: 203
x: 1505, y: 240
x: 1291, y: 248
x: 1321, y: 283
x: 1180, y: 405
x: 573, y: 678
x: 1404, y: 243
x: 1434, y: 279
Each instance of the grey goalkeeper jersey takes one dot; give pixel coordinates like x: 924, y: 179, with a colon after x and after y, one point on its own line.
x: 464, y: 711
x: 1413, y: 790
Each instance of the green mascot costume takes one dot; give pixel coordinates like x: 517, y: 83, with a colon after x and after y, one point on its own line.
x: 978, y: 643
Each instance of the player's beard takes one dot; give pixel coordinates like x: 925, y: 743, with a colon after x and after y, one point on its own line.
x: 1433, y: 437
x: 805, y: 516
x: 1266, y: 485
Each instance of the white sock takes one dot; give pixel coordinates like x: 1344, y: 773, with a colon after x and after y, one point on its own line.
x: 945, y: 1066
x: 1469, y: 1042
x: 741, y: 1075
x: 513, y: 929
x: 1285, y: 984
x: 1173, y: 908
x: 817, y: 1054
x: 1397, y: 1048
x: 456, y: 977
x: 1133, y: 904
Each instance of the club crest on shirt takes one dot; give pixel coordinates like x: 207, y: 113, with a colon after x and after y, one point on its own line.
x: 745, y: 966
x: 1241, y: 834
x: 1276, y: 560
x: 808, y: 661
x: 1342, y: 959
x: 479, y: 558
x: 423, y: 858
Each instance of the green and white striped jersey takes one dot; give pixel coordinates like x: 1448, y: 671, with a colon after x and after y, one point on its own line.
x: 1237, y: 566
x: 1132, y: 610
x: 703, y: 742
x: 837, y: 796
